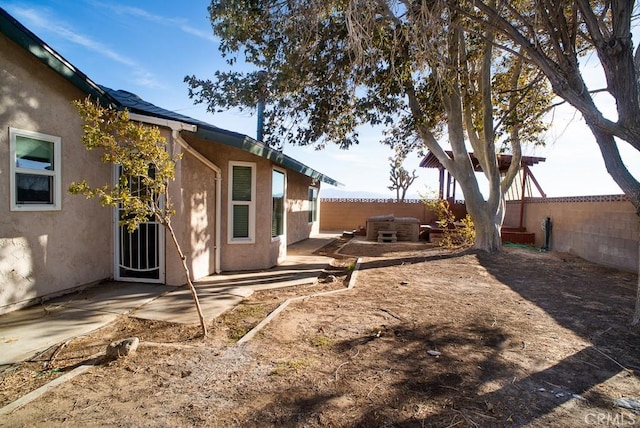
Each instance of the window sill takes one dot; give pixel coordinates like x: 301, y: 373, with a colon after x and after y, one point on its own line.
x: 242, y: 241
x: 34, y: 208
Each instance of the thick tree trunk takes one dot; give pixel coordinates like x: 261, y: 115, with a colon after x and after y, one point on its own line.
x: 487, y: 223
x: 487, y: 237
x: 487, y: 234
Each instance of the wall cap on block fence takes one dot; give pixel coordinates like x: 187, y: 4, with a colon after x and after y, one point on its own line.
x: 379, y: 201
x: 373, y: 200
x: 574, y: 199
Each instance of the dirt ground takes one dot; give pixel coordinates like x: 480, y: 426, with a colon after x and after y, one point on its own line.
x: 427, y: 337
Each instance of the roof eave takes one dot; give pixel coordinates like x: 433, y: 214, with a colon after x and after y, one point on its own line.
x: 253, y: 146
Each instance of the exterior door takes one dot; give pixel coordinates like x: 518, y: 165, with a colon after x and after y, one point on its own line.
x: 139, y: 255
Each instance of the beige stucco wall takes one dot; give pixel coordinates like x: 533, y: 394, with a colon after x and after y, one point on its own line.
x: 192, y: 196
x: 45, y: 253
x: 601, y: 229
x: 242, y: 256
x: 298, y: 226
x: 264, y: 252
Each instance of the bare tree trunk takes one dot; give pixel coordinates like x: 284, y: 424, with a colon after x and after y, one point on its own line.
x: 183, y: 259
x: 487, y: 234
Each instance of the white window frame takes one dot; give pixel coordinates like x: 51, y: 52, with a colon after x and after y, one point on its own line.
x: 284, y: 203
x: 56, y: 173
x: 313, y: 205
x: 251, y: 204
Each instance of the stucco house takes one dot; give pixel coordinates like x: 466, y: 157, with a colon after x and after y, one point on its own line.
x: 238, y: 203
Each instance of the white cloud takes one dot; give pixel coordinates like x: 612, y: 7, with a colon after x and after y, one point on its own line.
x: 180, y: 23
x: 39, y: 21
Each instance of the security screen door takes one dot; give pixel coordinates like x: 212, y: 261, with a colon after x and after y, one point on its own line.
x: 139, y: 255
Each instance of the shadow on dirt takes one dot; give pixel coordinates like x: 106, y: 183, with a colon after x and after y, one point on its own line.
x: 406, y: 378
x: 445, y: 374
x: 594, y: 302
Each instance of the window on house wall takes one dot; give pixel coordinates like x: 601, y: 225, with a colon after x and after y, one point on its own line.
x: 242, y: 188
x: 277, y: 201
x: 313, y: 204
x: 35, y: 171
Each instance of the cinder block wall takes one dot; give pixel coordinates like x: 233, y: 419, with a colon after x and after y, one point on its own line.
x: 349, y: 214
x: 601, y: 229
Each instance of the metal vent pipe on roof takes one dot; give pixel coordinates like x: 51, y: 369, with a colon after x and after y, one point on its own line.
x: 260, y: 121
x: 262, y: 99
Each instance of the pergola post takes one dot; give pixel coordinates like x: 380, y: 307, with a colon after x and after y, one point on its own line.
x: 525, y: 172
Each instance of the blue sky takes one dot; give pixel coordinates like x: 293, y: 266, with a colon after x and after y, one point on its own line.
x: 147, y: 47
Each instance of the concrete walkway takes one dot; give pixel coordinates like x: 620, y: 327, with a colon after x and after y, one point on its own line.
x: 27, y: 332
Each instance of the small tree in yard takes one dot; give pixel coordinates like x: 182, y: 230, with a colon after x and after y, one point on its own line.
x: 140, y: 152
x: 400, y: 178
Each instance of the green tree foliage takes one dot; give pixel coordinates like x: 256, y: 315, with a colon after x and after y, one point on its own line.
x: 140, y: 153
x: 332, y: 66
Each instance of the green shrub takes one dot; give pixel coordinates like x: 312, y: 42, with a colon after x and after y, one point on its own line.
x: 460, y: 234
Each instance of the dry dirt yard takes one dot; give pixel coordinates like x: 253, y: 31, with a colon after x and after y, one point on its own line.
x: 427, y: 337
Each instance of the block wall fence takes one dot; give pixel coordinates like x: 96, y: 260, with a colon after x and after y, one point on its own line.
x: 348, y: 214
x: 601, y: 229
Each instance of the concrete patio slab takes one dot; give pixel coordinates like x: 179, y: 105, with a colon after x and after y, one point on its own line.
x: 178, y: 306
x: 27, y: 332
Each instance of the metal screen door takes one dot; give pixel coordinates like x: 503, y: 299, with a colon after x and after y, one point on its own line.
x: 139, y: 255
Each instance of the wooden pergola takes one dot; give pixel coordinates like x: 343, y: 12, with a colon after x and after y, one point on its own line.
x: 518, y: 189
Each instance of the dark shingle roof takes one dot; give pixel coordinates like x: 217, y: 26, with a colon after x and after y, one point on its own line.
x: 135, y: 104
x: 124, y: 99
